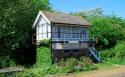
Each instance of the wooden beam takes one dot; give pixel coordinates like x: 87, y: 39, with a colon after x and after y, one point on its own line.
x: 77, y: 25
x: 11, y: 69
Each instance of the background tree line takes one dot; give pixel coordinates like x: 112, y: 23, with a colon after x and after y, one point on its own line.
x: 107, y: 29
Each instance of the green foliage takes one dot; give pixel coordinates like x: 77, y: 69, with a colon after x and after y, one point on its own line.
x: 43, y: 65
x: 7, y: 75
x: 16, y: 19
x: 89, y: 13
x: 106, y: 29
x: 6, y: 62
x: 87, y: 64
x: 72, y: 65
x: 43, y: 56
x: 115, y: 55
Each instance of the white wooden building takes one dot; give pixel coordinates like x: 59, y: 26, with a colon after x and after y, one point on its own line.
x: 61, y: 27
x: 66, y: 32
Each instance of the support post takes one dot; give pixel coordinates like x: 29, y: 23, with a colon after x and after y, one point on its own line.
x: 52, y: 61
x: 99, y: 56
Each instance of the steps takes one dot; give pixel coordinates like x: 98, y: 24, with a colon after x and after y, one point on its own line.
x: 94, y: 54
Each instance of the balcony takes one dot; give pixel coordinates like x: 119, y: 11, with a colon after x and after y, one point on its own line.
x: 69, y: 36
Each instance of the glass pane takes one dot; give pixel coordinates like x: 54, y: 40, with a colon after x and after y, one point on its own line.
x: 75, y: 32
x: 84, y: 33
x: 55, y: 32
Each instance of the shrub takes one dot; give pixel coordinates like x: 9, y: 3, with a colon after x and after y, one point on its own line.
x: 43, y: 56
x: 107, y: 29
x: 87, y: 64
x: 107, y: 54
x: 115, y: 55
x: 86, y: 60
x: 72, y: 65
x: 119, y: 49
x: 5, y: 61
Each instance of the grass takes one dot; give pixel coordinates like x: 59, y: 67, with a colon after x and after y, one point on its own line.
x: 105, y: 70
x: 103, y: 66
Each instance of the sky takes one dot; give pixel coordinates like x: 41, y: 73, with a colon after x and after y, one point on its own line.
x: 117, y: 7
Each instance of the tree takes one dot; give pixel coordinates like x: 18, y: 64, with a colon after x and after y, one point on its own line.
x: 89, y: 13
x: 107, y: 29
x: 16, y: 19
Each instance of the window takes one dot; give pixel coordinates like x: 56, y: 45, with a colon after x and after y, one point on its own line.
x: 55, y: 31
x: 83, y: 34
x: 66, y: 32
x: 59, y: 32
x: 75, y: 32
x: 76, y: 50
x: 67, y: 51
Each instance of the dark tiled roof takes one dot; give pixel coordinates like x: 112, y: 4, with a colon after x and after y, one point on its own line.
x: 65, y: 19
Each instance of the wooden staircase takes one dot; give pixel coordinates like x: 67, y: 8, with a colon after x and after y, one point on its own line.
x: 94, y: 54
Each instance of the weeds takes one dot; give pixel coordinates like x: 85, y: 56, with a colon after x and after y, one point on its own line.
x: 43, y: 65
x: 6, y: 62
x: 115, y: 55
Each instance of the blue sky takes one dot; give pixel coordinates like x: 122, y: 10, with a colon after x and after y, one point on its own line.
x: 108, y: 6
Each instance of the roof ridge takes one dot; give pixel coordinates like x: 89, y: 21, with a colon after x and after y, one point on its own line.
x: 61, y: 13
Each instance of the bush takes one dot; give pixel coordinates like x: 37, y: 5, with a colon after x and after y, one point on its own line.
x: 108, y: 30
x: 87, y: 64
x: 5, y: 61
x: 73, y: 65
x: 86, y: 61
x: 43, y: 56
x: 115, y: 55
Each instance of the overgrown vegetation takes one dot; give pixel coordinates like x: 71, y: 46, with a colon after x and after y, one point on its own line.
x: 107, y: 30
x: 16, y: 19
x: 6, y: 62
x: 115, y: 55
x: 44, y: 67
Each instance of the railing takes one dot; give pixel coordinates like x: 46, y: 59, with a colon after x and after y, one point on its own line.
x: 95, y: 53
x: 71, y: 39
x: 63, y: 36
x: 66, y: 36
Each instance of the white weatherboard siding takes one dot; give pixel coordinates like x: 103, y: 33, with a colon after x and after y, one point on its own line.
x: 43, y: 29
x: 49, y: 30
